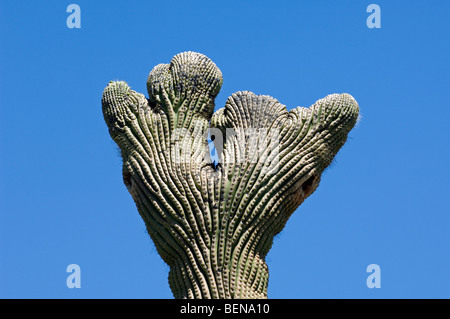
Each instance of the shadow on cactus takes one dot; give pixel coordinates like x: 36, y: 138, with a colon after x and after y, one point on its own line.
x: 214, y: 224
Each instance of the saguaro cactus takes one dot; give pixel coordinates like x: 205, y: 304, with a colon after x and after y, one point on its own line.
x: 214, y: 224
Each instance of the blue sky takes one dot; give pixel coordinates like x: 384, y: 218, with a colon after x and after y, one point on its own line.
x: 384, y: 201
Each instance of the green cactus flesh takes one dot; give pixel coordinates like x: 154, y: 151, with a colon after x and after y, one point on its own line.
x: 214, y: 224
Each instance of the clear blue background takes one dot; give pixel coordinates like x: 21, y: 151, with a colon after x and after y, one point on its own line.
x: 384, y: 201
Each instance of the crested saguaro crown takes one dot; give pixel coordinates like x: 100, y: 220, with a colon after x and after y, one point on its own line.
x: 214, y: 224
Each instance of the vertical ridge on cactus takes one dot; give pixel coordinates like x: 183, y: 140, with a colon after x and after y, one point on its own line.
x: 214, y: 225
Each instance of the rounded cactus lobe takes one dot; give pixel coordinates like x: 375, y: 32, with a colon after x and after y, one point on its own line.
x: 214, y: 225
x: 189, y: 84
